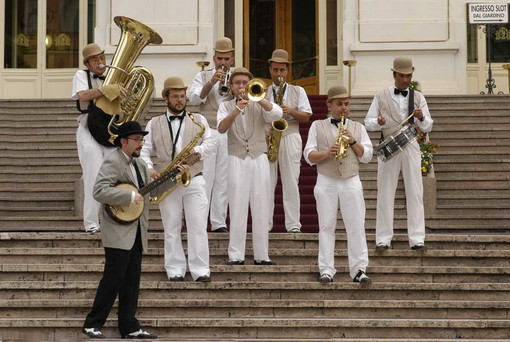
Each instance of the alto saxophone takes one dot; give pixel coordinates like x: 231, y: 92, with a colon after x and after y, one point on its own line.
x: 183, y: 156
x: 277, y: 127
x: 342, y: 141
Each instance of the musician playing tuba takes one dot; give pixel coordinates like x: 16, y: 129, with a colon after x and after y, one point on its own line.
x: 205, y: 92
x: 87, y: 87
x: 180, y: 134
x: 243, y: 122
x: 338, y: 184
x: 296, y: 109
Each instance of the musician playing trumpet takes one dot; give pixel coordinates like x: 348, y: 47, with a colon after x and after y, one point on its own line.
x: 207, y: 92
x: 296, y: 109
x: 243, y: 122
x: 390, y: 107
x: 338, y: 183
x: 168, y: 135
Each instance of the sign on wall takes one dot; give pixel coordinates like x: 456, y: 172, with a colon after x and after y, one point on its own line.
x: 488, y: 13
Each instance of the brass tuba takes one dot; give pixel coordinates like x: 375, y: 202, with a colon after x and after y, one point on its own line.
x: 342, y: 141
x: 182, y: 157
x: 138, y: 81
x: 277, y: 128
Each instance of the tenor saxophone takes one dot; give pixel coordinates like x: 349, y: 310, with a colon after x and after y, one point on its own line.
x: 187, y: 151
x: 277, y: 128
x: 342, y: 141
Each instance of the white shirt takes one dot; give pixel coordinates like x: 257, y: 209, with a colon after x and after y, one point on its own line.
x: 206, y: 147
x: 81, y: 83
x: 371, y: 123
x: 303, y: 102
x: 312, y: 146
x: 197, y: 86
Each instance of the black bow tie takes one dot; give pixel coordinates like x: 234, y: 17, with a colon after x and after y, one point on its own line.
x: 335, y: 122
x: 178, y: 117
x: 398, y: 91
x: 101, y: 77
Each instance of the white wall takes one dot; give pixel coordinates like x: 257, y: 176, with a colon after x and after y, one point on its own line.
x: 431, y: 32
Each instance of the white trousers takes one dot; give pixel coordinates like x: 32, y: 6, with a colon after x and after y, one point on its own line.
x: 91, y: 155
x: 329, y: 193
x: 289, y: 163
x: 248, y: 187
x: 215, y: 173
x: 193, y: 200
x: 409, y: 162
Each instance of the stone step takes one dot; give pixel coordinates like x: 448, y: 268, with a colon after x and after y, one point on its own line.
x: 271, y: 328
x: 281, y: 273
x: 212, y: 308
x: 392, y: 257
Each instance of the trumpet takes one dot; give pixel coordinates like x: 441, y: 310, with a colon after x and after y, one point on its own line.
x: 223, y: 88
x: 256, y: 90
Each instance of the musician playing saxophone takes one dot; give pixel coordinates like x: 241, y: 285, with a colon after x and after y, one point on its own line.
x: 243, y: 122
x: 389, y: 108
x: 338, y: 183
x: 296, y: 109
x: 168, y: 134
x: 206, y: 92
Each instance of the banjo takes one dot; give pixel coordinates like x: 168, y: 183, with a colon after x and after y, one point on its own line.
x: 125, y: 214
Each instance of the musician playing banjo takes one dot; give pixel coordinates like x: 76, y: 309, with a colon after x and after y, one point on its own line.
x: 389, y: 109
x: 123, y: 243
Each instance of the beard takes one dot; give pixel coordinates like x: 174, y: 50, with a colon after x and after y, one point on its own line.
x: 176, y: 109
x: 136, y: 153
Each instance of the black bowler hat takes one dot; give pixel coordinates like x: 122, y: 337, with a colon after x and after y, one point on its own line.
x: 127, y: 129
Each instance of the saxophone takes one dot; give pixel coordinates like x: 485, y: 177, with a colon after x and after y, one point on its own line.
x: 342, y: 141
x: 184, y: 157
x: 277, y: 128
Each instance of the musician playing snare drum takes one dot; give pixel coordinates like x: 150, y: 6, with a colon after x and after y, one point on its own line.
x: 390, y: 107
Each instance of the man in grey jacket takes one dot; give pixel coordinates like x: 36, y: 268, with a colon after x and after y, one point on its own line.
x: 123, y: 243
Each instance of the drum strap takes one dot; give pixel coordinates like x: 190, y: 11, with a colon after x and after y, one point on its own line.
x: 409, y: 111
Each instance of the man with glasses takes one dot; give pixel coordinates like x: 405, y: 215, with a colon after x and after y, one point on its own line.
x: 168, y: 134
x: 205, y: 91
x: 243, y: 122
x: 123, y: 243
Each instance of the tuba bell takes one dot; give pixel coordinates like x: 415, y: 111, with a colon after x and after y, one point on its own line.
x: 138, y: 81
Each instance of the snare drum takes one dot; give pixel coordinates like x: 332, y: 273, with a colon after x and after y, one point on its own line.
x: 395, y: 143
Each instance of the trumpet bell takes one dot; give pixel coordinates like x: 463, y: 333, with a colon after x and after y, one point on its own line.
x: 256, y: 90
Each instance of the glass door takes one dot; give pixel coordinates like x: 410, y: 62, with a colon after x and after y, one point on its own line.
x: 282, y: 24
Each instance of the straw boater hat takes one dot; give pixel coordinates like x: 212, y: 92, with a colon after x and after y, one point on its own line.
x: 173, y: 82
x: 90, y: 51
x: 240, y: 71
x: 403, y: 65
x: 279, y: 56
x: 127, y: 129
x: 337, y: 92
x: 223, y: 45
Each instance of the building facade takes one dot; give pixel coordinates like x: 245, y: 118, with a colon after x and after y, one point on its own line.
x: 43, y: 39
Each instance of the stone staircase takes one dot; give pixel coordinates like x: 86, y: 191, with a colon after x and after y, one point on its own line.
x: 458, y: 289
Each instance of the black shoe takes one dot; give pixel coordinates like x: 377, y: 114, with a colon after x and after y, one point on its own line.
x: 381, y: 247
x: 203, y: 279
x: 420, y: 246
x: 362, y: 278
x: 94, y: 333
x: 176, y: 278
x: 220, y: 230
x: 235, y: 262
x: 92, y: 230
x: 325, y: 278
x: 140, y: 335
x: 264, y: 262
